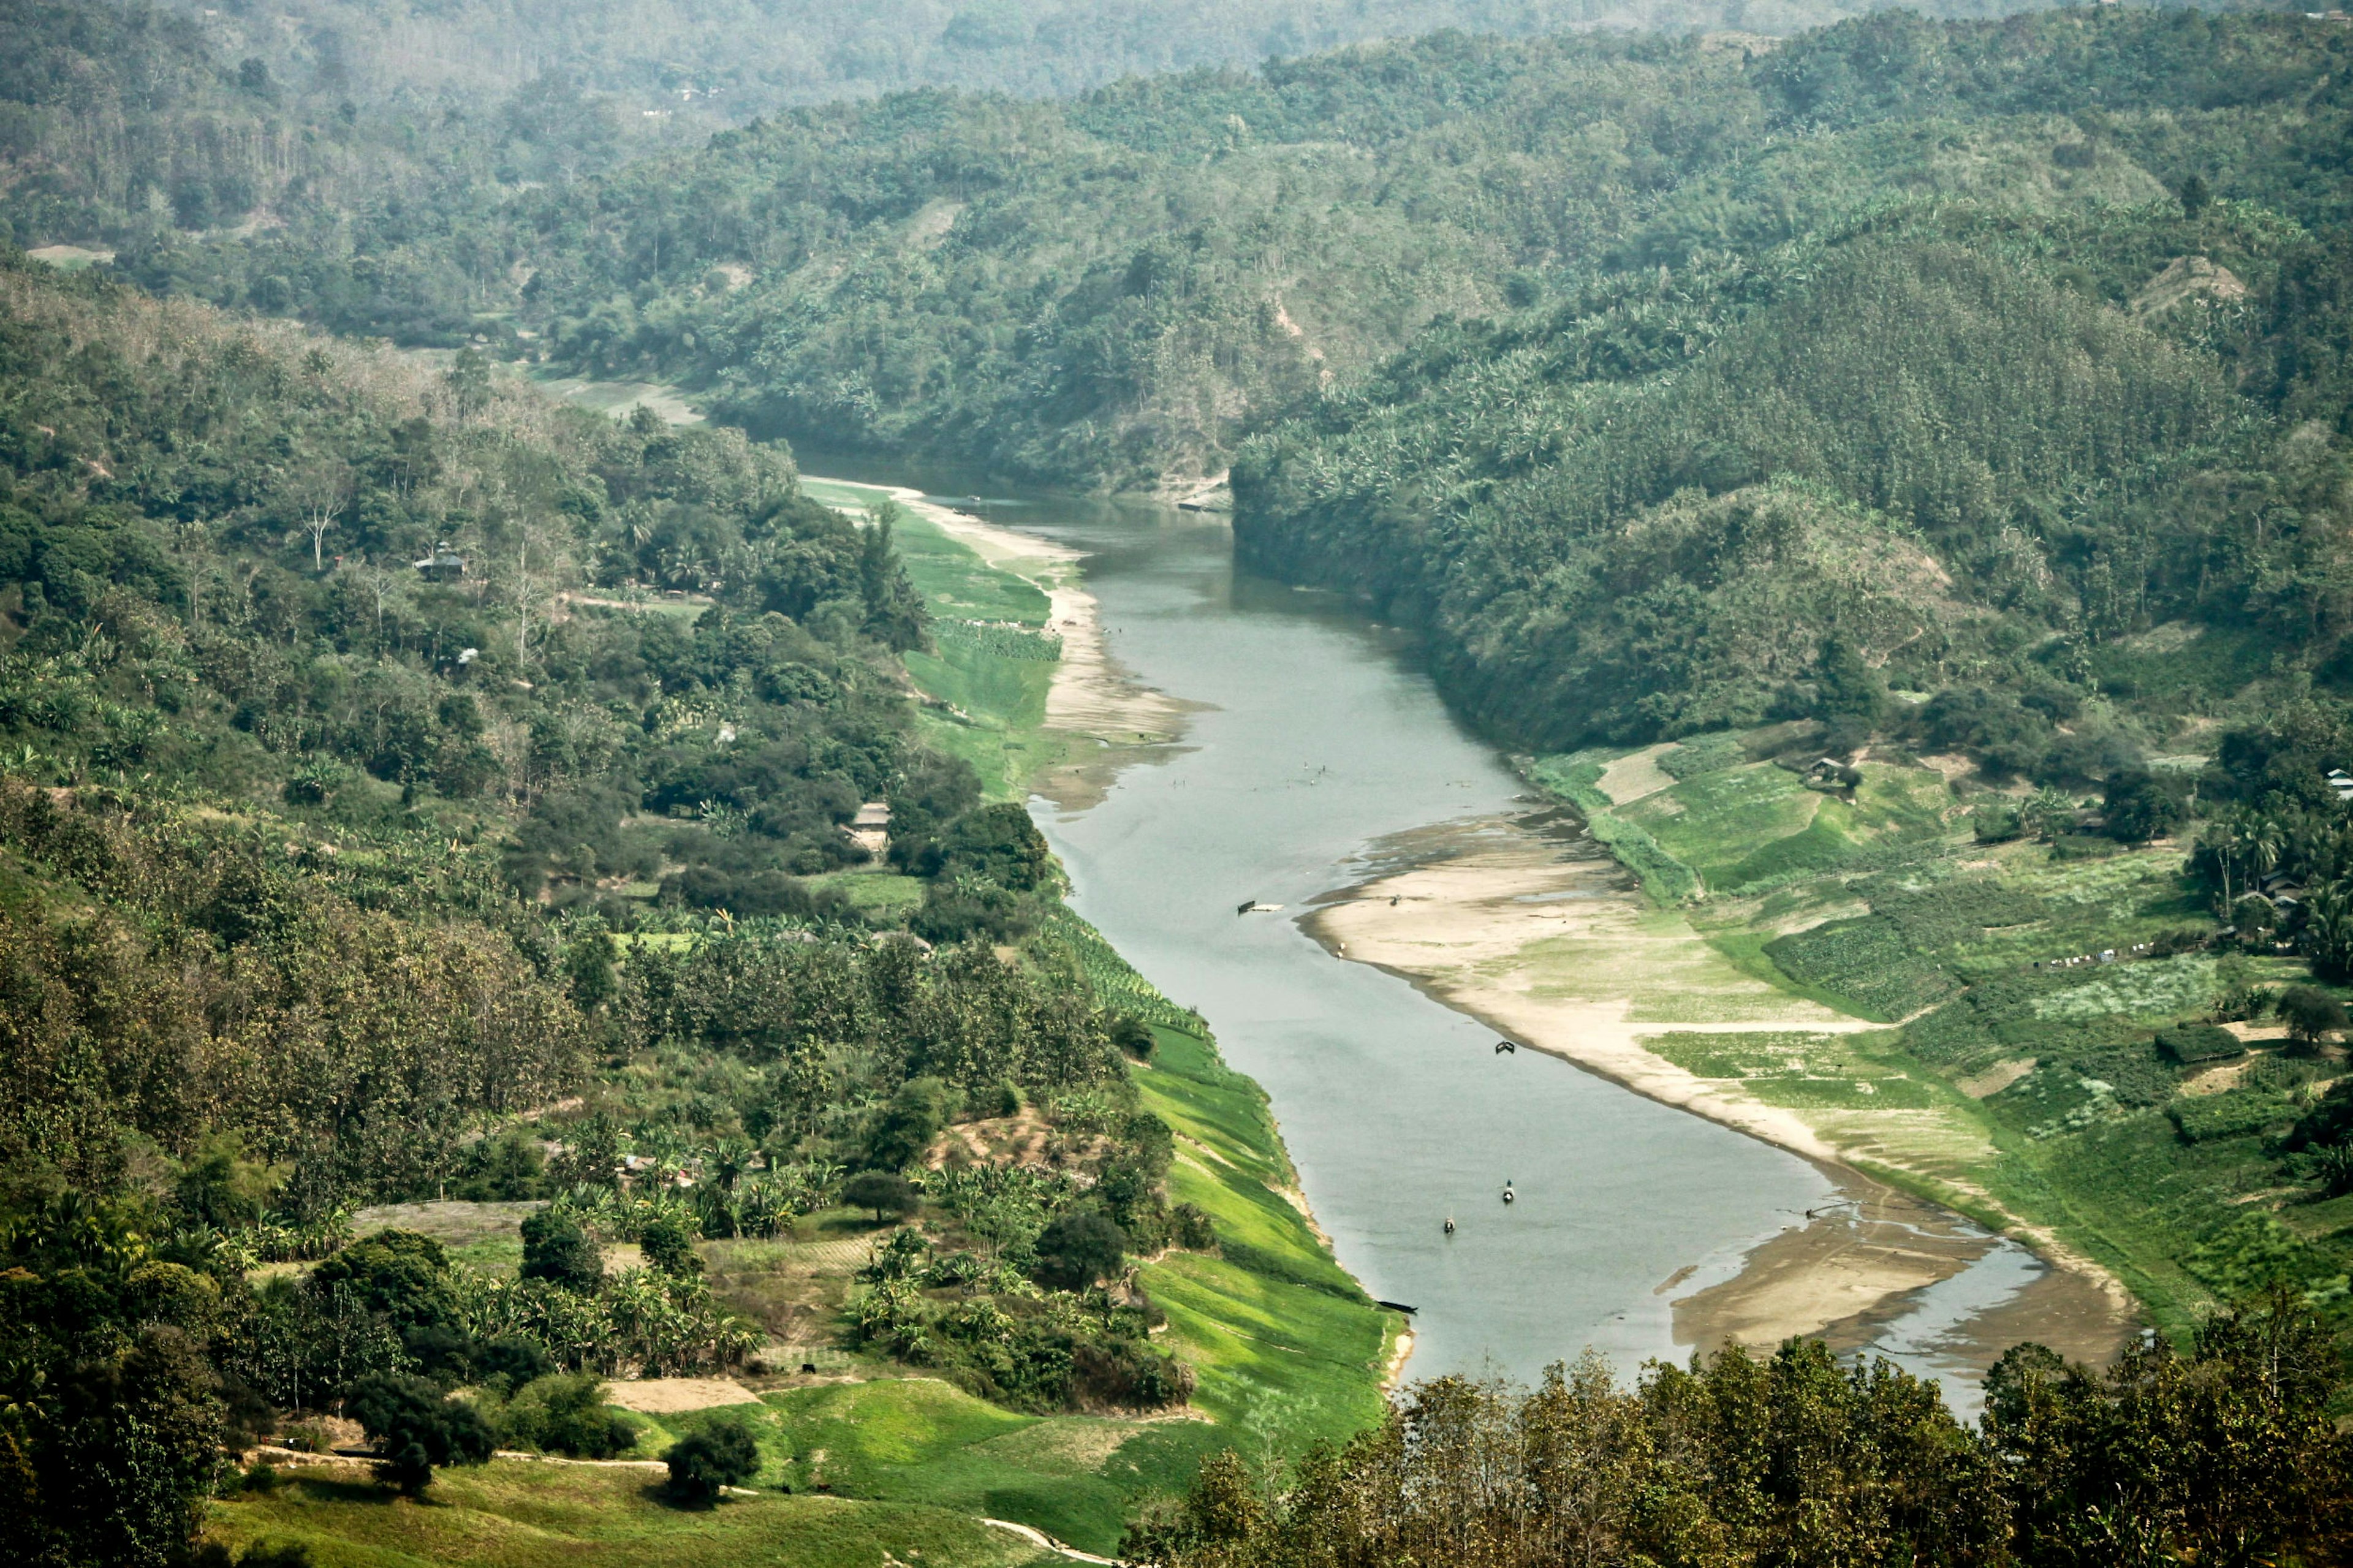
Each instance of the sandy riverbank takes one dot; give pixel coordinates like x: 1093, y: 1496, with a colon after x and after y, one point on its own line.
x: 1531, y: 928
x: 1091, y: 696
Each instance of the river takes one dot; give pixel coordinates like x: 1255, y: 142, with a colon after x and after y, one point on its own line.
x: 1315, y: 746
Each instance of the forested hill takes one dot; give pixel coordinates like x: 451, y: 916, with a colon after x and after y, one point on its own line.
x: 125, y: 120
x: 1968, y: 442
x: 411, y: 789
x: 715, y: 61
x: 1115, y: 289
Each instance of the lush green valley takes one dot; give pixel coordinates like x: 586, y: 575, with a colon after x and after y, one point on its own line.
x: 523, y: 950
x: 422, y: 795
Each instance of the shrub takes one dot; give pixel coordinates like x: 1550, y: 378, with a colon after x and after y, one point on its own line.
x: 669, y: 1244
x: 416, y: 1427
x: 2334, y: 1168
x: 2310, y: 1013
x: 1133, y: 1036
x: 2188, y: 1043
x: 702, y: 1464
x: 2328, y: 1122
x: 1189, y: 1228
x: 261, y: 1555
x: 1079, y: 1248
x: 2235, y: 1113
x: 509, y: 1168
x: 1995, y: 824
x: 565, y: 1414
x: 556, y: 1249
x: 1130, y: 1372
x: 517, y: 1360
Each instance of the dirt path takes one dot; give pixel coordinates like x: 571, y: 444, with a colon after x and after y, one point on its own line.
x: 1046, y: 1542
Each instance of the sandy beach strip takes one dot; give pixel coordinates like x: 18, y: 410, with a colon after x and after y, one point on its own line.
x: 1538, y: 934
x: 1091, y: 695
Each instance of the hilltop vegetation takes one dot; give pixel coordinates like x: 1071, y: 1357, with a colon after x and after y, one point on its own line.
x: 742, y: 59
x: 1950, y: 447
x: 356, y: 161
x: 1119, y: 289
x: 415, y: 791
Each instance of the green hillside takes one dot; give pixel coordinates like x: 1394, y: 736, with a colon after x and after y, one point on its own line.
x: 1119, y: 289
x: 419, y: 794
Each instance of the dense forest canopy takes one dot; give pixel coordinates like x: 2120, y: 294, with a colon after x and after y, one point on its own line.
x: 1116, y: 290
x: 717, y: 61
x: 1971, y: 439
x: 353, y: 706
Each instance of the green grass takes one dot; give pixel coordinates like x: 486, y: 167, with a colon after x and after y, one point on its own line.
x: 957, y: 585
x: 872, y: 891
x: 1286, y: 1343
x: 1910, y: 913
x: 1714, y: 821
x: 1745, y: 950
x: 2216, y: 662
x: 986, y: 707
x: 996, y: 715
x: 920, y: 1440
x: 519, y: 1514
x: 843, y: 495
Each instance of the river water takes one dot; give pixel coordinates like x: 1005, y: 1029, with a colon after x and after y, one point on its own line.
x: 1317, y: 738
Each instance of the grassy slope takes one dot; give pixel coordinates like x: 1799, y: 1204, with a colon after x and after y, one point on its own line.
x: 987, y: 710
x: 519, y: 1514
x: 1763, y: 857
x: 1285, y: 1342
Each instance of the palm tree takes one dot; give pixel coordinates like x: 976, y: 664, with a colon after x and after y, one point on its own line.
x: 2328, y: 927
x: 2044, y: 813
x: 2221, y: 840
x: 2264, y: 842
x: 725, y: 1162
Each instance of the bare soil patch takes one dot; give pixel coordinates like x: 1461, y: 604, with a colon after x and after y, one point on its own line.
x: 670, y: 1396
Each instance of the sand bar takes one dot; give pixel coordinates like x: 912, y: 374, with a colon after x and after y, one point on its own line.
x: 1528, y: 925
x: 1091, y: 695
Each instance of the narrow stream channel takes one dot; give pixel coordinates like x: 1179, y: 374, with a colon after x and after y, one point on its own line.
x: 1317, y: 737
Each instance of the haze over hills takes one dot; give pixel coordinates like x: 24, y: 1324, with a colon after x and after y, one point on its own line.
x: 720, y: 61
x: 1111, y: 291
x: 1894, y: 479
